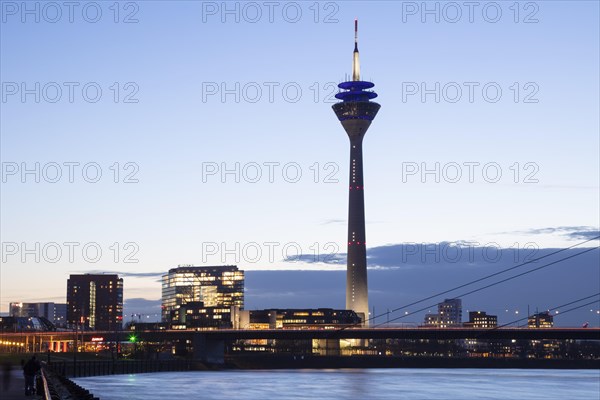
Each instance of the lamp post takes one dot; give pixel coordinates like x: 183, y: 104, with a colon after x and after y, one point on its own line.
x: 75, y: 350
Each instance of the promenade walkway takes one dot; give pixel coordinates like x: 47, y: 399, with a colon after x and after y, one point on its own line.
x: 16, y: 386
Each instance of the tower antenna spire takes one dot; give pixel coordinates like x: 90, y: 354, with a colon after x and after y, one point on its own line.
x: 355, y: 60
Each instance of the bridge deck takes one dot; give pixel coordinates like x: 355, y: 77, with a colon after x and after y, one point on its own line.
x: 350, y: 333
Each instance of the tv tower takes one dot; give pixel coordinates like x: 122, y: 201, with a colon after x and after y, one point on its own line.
x: 356, y: 112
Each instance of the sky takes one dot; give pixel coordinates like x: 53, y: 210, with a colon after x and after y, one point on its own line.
x: 138, y: 136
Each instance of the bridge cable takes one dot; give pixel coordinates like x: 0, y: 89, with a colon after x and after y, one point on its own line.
x: 478, y: 280
x: 490, y: 285
x: 553, y: 308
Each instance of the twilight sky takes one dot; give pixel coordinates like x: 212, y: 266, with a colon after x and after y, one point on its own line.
x: 192, y: 132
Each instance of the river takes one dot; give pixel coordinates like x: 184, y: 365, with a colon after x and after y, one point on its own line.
x: 443, y: 384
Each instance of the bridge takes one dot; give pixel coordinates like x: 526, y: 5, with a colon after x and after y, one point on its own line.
x: 301, y: 334
x: 209, y: 345
x: 413, y: 333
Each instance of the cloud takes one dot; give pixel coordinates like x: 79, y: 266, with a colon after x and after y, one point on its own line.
x: 568, y: 232
x: 141, y: 302
x: 331, y: 259
x: 127, y: 274
x: 584, y: 235
x: 564, y: 230
x: 456, y: 254
x: 344, y: 221
x: 333, y: 221
x: 55, y: 299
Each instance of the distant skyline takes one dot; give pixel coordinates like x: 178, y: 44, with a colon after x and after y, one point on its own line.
x: 180, y: 106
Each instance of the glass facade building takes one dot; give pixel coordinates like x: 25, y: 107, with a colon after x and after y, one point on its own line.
x: 194, y: 315
x: 53, y: 312
x: 214, y: 286
x: 321, y: 318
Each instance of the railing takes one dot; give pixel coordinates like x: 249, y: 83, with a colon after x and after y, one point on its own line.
x: 46, y: 389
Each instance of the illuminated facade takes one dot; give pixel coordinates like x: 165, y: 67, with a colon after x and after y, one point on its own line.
x: 540, y: 320
x: 449, y: 315
x: 195, y: 315
x: 21, y: 324
x: 215, y: 286
x: 480, y: 319
x: 95, y: 301
x: 320, y: 318
x: 53, y: 312
x: 356, y: 111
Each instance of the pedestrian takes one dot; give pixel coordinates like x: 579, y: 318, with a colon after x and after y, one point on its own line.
x: 30, y: 369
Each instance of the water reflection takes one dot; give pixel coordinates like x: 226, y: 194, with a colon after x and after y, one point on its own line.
x: 350, y: 384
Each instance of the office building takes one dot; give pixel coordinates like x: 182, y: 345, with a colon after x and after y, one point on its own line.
x: 214, y: 286
x: 195, y: 315
x: 321, y: 318
x: 480, y: 319
x: 60, y: 315
x: 449, y: 315
x: 95, y: 302
x: 53, y: 312
x: 540, y: 320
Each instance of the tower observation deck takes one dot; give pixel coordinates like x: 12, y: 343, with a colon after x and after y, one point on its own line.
x: 356, y: 111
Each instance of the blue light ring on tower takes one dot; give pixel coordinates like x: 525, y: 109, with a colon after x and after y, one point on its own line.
x: 356, y: 85
x: 355, y: 91
x: 356, y: 95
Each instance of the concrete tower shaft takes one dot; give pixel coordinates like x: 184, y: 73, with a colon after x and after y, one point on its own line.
x: 357, y: 295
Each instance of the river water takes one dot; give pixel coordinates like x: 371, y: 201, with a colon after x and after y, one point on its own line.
x: 367, y: 384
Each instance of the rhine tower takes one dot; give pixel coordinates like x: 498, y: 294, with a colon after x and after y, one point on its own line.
x: 356, y: 112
